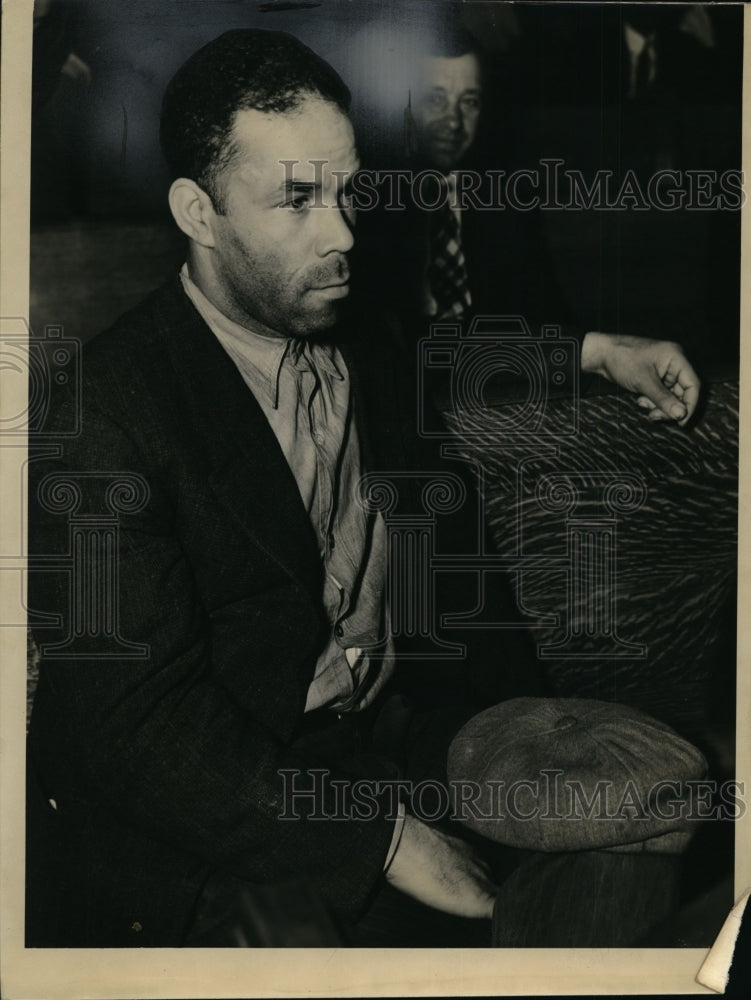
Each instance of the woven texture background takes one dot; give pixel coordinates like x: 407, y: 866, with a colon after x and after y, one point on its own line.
x: 675, y: 553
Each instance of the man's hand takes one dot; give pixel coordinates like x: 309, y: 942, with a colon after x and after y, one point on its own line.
x: 441, y: 871
x: 657, y: 371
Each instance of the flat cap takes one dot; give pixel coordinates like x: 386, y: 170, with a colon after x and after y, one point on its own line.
x: 564, y: 774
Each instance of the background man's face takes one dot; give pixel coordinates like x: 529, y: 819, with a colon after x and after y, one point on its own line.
x: 447, y: 109
x: 279, y: 261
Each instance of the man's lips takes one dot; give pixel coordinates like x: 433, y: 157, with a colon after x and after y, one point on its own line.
x: 449, y: 138
x: 333, y: 290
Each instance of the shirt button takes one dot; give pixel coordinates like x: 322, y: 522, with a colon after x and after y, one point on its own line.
x: 338, y: 631
x: 318, y: 437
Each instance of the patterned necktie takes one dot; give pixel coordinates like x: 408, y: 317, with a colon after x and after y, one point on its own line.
x: 447, y: 270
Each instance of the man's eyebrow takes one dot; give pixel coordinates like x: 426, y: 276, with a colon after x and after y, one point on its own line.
x: 290, y: 184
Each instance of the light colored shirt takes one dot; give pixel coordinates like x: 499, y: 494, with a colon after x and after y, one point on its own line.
x: 636, y: 43
x: 303, y: 389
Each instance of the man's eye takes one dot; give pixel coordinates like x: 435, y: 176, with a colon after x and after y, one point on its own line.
x: 299, y: 203
x: 436, y: 102
x: 470, y: 103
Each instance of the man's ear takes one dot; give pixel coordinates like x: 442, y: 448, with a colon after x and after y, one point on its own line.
x: 192, y: 210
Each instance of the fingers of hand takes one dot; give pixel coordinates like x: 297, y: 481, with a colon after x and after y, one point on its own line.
x: 690, y: 389
x: 682, y: 381
x: 664, y: 402
x: 672, y: 396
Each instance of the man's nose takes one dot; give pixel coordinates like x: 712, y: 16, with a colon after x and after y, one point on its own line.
x: 335, y: 230
x: 454, y: 118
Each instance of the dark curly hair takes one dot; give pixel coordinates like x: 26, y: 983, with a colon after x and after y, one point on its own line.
x: 267, y: 71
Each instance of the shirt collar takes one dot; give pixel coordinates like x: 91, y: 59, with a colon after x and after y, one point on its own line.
x: 635, y: 40
x: 321, y: 356
x: 262, y: 356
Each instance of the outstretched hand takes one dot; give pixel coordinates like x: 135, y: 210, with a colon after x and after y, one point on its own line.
x: 656, y: 371
x: 441, y: 871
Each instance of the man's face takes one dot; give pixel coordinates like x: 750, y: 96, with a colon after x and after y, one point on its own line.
x: 447, y: 109
x: 279, y: 263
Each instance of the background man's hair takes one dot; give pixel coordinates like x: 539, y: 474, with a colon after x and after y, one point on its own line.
x: 267, y: 71
x: 450, y: 40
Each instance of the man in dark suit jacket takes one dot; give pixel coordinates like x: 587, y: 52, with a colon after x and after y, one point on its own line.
x: 504, y: 265
x: 221, y: 619
x: 160, y: 769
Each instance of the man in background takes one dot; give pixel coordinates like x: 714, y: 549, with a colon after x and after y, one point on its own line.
x: 460, y: 259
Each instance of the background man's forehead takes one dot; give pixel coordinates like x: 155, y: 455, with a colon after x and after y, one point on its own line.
x: 438, y: 70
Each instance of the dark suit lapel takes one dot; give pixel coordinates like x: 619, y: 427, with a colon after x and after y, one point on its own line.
x: 249, y: 473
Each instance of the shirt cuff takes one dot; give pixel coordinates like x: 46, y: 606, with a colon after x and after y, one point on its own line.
x: 396, y: 836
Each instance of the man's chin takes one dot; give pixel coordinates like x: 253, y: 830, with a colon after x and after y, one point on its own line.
x: 445, y: 156
x: 317, y: 322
